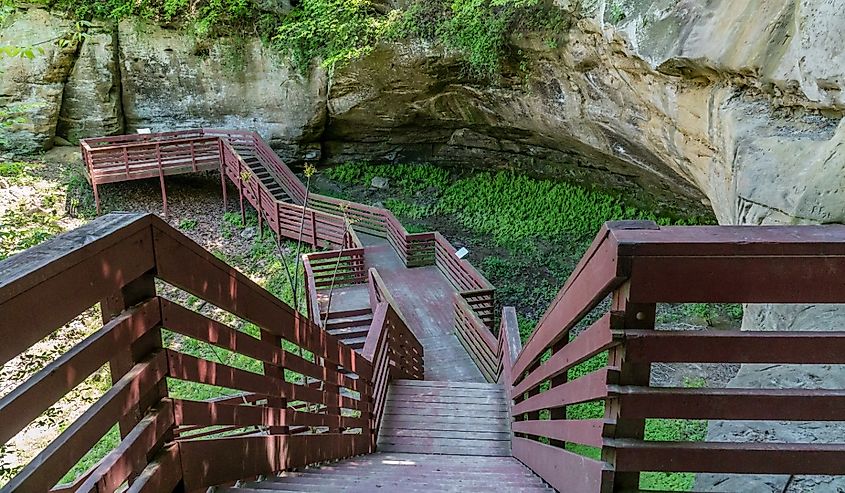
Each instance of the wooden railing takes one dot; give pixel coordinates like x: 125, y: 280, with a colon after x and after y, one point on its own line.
x: 390, y: 345
x: 325, y: 218
x: 324, y: 222
x: 638, y: 265
x: 290, y: 411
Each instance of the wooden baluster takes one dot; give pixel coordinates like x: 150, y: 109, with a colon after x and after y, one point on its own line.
x: 161, y: 178
x: 222, y: 154
x: 314, y: 228
x: 126, y: 160
x: 125, y: 358
x: 193, y: 157
x: 632, y: 316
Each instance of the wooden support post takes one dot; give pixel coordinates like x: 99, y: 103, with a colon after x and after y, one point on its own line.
x: 125, y: 358
x: 260, y: 215
x: 278, y: 223
x: 240, y: 181
x: 96, y: 195
x: 126, y: 161
x: 223, y: 173
x: 634, y: 316
x: 161, y: 178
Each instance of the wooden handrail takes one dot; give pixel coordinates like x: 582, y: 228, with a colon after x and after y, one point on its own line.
x: 638, y: 265
x: 125, y: 253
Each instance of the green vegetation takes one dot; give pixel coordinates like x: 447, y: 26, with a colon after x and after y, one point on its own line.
x: 338, y: 31
x: 32, y: 219
x: 188, y: 224
x: 480, y: 29
x: 333, y: 31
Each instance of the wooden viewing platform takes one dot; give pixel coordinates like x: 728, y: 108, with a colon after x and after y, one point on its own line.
x: 404, y: 382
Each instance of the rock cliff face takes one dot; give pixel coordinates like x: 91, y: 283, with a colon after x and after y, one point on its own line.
x: 684, y: 104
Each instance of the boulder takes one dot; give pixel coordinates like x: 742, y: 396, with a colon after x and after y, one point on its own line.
x: 91, y: 104
x: 31, y: 89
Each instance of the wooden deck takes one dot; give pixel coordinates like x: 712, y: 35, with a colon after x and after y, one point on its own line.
x: 424, y: 296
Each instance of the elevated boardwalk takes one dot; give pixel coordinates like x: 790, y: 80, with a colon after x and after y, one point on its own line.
x: 427, y: 281
x: 371, y: 391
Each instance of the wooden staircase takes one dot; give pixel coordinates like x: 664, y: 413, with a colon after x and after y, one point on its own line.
x: 458, y: 418
x: 350, y: 326
x: 271, y: 183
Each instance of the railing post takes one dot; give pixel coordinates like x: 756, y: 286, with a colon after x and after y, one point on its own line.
x: 274, y: 371
x: 161, y: 177
x: 221, y: 151
x: 633, y: 316
x: 125, y: 358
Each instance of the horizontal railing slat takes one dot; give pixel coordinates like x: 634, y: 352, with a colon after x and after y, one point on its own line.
x: 28, y: 400
x: 719, y: 346
x: 742, y: 404
x: 719, y: 457
x: 590, y: 387
x: 45, y: 470
x: 583, y: 431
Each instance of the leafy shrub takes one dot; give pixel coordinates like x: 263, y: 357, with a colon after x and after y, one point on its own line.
x: 334, y: 31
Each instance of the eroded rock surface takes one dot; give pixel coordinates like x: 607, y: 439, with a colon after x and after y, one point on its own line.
x: 91, y: 104
x: 31, y: 89
x: 172, y: 81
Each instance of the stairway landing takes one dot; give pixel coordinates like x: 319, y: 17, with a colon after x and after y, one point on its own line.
x: 406, y: 473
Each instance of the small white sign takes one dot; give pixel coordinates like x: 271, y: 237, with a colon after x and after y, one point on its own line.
x: 144, y: 131
x: 463, y: 252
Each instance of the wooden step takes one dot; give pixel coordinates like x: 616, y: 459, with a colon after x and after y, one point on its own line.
x: 355, y: 331
x: 347, y: 313
x: 405, y: 473
x: 364, y: 319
